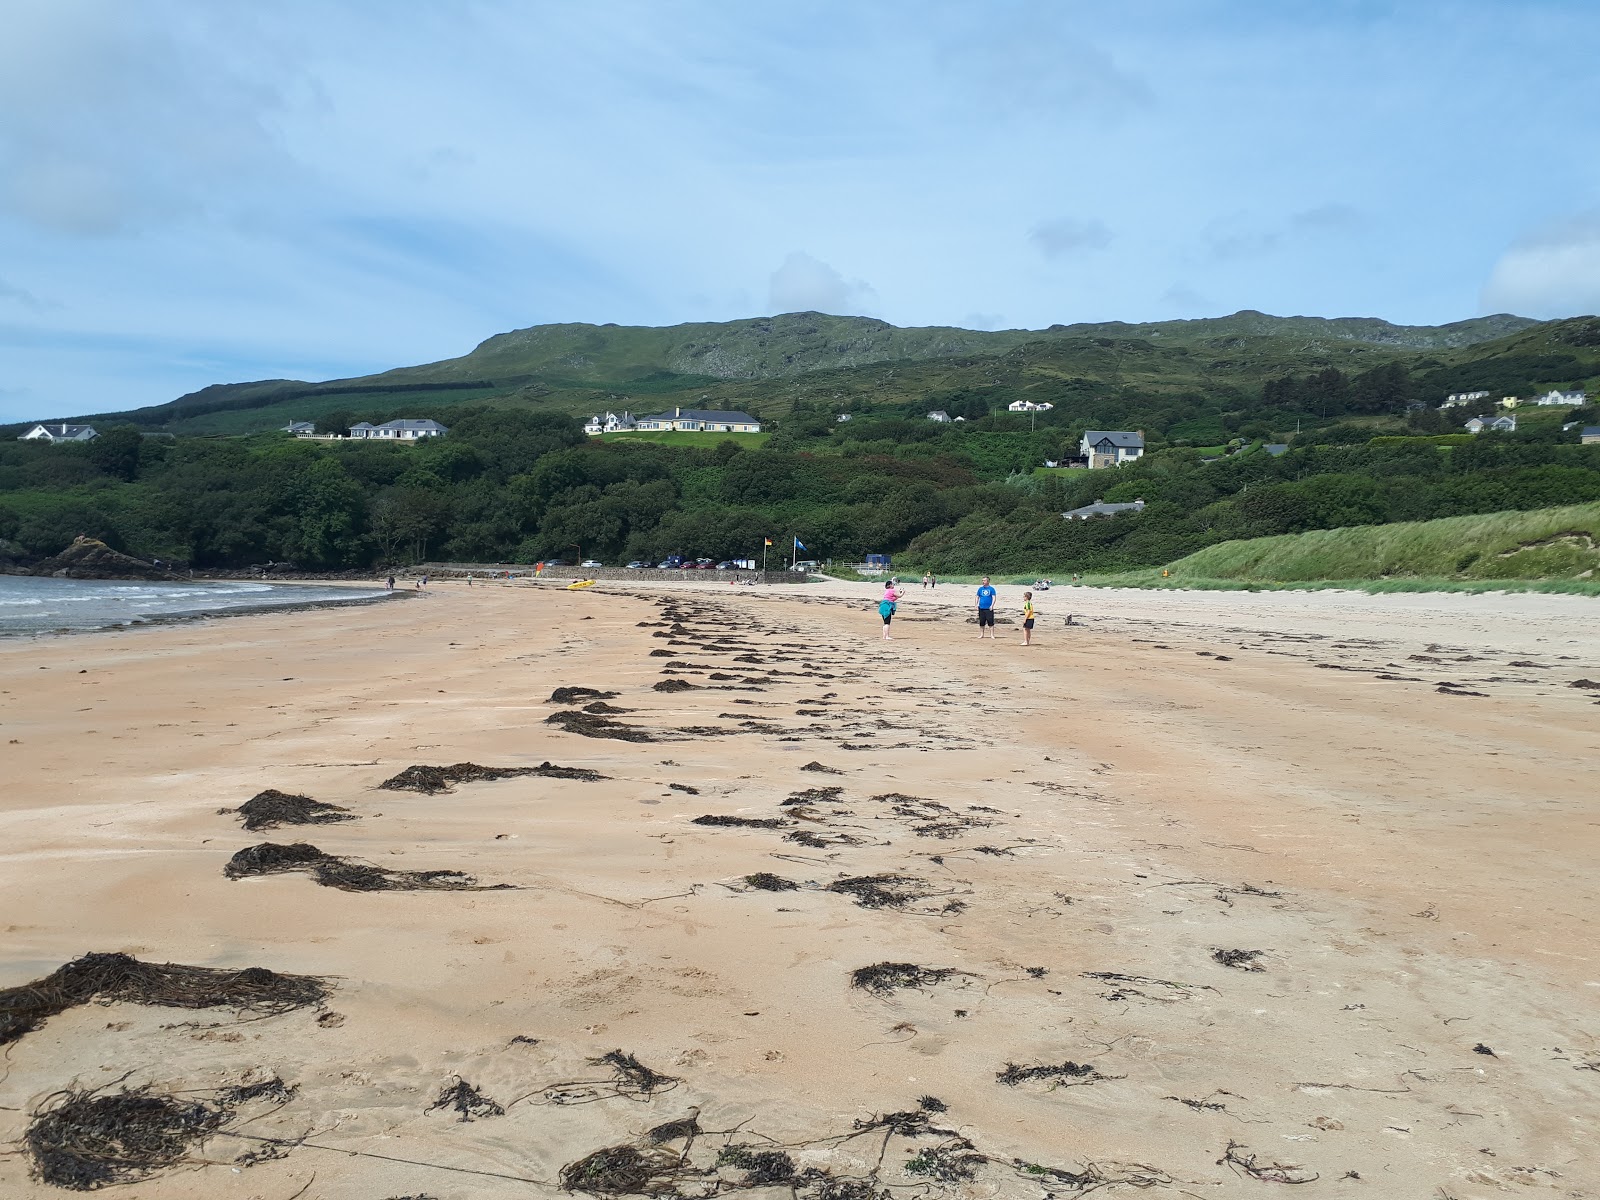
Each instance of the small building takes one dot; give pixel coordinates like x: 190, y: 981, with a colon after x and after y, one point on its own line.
x: 609, y: 423
x: 1029, y: 406
x: 1111, y: 447
x: 1506, y: 424
x: 403, y: 430
x: 1276, y: 449
x: 1462, y: 399
x: 59, y: 432
x: 1101, y: 509
x: 1554, y: 399
x: 940, y: 416
x: 1590, y: 435
x: 300, y: 428
x: 701, y: 420
x: 843, y: 417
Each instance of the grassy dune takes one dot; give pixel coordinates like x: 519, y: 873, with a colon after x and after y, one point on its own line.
x: 1548, y: 549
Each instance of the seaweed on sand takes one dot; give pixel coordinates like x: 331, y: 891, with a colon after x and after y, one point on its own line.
x: 467, y: 1100
x: 766, y: 881
x: 433, y: 780
x: 272, y: 858
x: 884, y: 978
x: 816, y: 795
x: 821, y: 841
x: 816, y: 766
x: 1067, y: 1074
x: 762, y: 1168
x: 623, y: 1171
x: 271, y: 808
x: 86, y: 1139
x: 119, y: 977
x: 594, y: 725
x: 674, y: 685
x: 633, y: 1077
x: 741, y: 822
x: 1235, y: 1156
x: 1240, y: 960
x: 572, y: 695
x: 881, y: 891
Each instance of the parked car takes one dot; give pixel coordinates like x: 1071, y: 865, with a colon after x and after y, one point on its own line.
x: 670, y: 563
x: 640, y: 566
x: 591, y: 562
x: 806, y: 564
x: 555, y: 562
x: 705, y: 564
x: 727, y: 565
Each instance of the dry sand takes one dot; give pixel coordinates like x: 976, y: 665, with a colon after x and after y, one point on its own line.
x: 1087, y: 822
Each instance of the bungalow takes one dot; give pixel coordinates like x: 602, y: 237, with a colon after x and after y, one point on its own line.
x: 843, y: 417
x: 1553, y: 398
x: 1101, y: 509
x: 701, y: 420
x: 1590, y: 435
x: 59, y: 433
x: 404, y: 430
x: 1029, y: 406
x: 609, y: 423
x: 1461, y: 399
x: 1111, y: 447
x: 940, y: 416
x: 1495, y: 424
x: 300, y: 428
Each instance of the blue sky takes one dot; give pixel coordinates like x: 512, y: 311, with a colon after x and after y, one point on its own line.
x: 203, y: 191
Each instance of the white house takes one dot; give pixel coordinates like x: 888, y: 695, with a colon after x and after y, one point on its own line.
x: 404, y: 430
x: 1101, y: 509
x: 843, y: 417
x: 609, y: 423
x: 59, y: 433
x: 1111, y: 447
x: 1460, y: 399
x: 1029, y: 406
x: 702, y: 420
x: 1568, y: 399
x: 300, y: 428
x: 1496, y: 424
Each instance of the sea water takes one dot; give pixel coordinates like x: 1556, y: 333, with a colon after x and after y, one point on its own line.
x: 29, y: 605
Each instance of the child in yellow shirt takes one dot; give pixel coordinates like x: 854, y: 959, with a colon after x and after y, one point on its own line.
x: 1027, y: 618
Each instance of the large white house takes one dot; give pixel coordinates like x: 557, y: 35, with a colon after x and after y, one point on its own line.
x: 1459, y: 399
x: 1111, y: 447
x: 405, y: 430
x: 1029, y: 406
x: 1567, y: 399
x: 59, y: 433
x: 701, y: 420
x: 609, y: 423
x: 1506, y: 424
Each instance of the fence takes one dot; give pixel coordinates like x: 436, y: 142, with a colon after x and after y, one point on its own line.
x: 440, y: 570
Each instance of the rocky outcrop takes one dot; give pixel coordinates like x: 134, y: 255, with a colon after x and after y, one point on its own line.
x: 90, y: 558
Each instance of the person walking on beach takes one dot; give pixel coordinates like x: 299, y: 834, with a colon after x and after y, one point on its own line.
x: 391, y: 583
x: 1027, y: 618
x: 886, y: 607
x: 986, y: 609
x: 927, y: 579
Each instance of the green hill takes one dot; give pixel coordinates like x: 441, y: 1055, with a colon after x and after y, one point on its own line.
x: 770, y: 363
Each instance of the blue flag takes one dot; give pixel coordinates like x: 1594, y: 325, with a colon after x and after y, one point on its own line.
x: 799, y: 545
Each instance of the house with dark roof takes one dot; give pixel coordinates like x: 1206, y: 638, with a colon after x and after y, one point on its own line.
x: 405, y: 430
x: 1101, y: 509
x: 1590, y: 435
x: 1507, y: 424
x: 702, y: 420
x: 59, y: 432
x: 1111, y: 447
x: 300, y: 428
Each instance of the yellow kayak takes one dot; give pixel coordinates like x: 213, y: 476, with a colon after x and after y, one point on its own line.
x: 582, y: 583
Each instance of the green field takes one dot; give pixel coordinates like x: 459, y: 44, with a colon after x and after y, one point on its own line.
x: 672, y: 437
x: 1549, y: 549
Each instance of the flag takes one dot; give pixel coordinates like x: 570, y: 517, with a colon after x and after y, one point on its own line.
x: 767, y: 540
x: 799, y: 545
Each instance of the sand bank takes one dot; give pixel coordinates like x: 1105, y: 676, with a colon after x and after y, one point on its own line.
x: 1390, y: 798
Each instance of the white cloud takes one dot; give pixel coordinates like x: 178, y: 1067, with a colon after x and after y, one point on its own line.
x: 1553, y: 272
x: 807, y: 284
x: 1068, y: 235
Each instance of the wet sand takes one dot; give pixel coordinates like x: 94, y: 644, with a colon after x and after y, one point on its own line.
x: 1392, y: 799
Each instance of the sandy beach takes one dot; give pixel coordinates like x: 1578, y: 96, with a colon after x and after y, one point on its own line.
x: 1202, y: 895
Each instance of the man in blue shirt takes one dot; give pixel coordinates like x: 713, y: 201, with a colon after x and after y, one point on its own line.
x: 986, y: 609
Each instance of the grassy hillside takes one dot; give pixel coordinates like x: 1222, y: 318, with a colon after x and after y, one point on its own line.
x: 770, y: 364
x: 1543, y: 544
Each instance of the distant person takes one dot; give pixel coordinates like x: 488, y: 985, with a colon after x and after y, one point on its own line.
x: 1027, y: 618
x: 424, y: 581
x: 986, y: 609
x: 391, y: 583
x: 933, y: 580
x: 927, y: 579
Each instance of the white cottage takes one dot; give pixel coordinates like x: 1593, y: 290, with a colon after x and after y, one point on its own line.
x: 59, y: 433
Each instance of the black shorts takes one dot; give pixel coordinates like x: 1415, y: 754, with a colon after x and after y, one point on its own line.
x: 985, y: 617
x: 1028, y: 624
x: 889, y: 617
